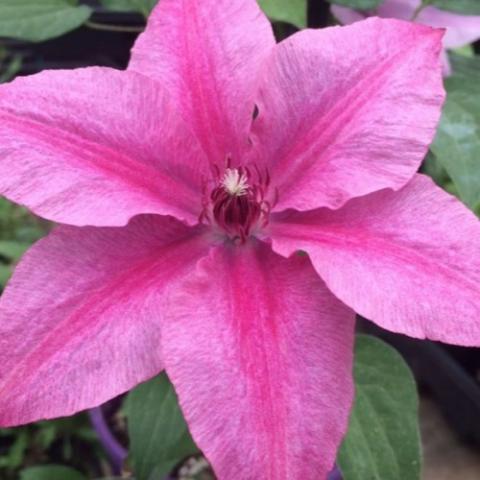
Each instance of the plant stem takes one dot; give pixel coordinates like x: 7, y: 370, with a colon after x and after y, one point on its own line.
x: 113, y: 28
x: 115, y: 451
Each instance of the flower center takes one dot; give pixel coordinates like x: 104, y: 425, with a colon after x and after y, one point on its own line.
x: 238, y: 201
x: 235, y: 183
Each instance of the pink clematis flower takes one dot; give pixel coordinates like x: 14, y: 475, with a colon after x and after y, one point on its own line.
x: 183, y: 212
x: 461, y: 29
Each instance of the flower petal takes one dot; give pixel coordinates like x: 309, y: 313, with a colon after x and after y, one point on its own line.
x: 409, y: 261
x: 332, y: 127
x: 403, y: 9
x: 346, y: 15
x: 260, y: 354
x: 96, y: 146
x: 461, y: 29
x: 208, y: 53
x: 79, y: 321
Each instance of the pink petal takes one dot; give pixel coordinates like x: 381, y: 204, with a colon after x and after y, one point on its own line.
x: 208, y: 53
x: 333, y: 127
x: 447, y: 67
x: 461, y: 29
x: 409, y: 261
x: 260, y: 354
x: 96, y: 146
x: 79, y: 321
x: 346, y: 16
x: 403, y: 9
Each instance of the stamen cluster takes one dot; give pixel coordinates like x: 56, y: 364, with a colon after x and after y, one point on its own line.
x: 238, y: 201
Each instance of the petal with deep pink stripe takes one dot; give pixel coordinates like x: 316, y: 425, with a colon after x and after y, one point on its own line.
x: 260, y: 354
x: 208, y: 54
x: 407, y: 260
x: 333, y: 126
x: 96, y: 146
x: 79, y: 321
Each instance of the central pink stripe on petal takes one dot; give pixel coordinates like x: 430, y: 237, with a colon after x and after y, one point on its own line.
x: 80, y: 319
x: 97, y: 146
x: 332, y: 127
x: 260, y: 355
x: 407, y: 260
x: 208, y: 54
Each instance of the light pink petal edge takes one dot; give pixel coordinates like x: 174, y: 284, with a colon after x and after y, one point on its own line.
x: 461, y: 29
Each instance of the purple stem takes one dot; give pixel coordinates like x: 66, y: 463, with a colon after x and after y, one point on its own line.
x: 115, y: 451
x: 335, y: 474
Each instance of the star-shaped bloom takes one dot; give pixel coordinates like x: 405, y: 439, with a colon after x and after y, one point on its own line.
x: 187, y: 185
x: 461, y: 29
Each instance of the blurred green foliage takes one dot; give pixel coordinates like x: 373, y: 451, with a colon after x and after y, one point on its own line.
x: 159, y: 437
x: 10, y: 64
x: 288, y: 11
x: 18, y: 230
x: 383, y: 439
x: 142, y: 6
x: 466, y: 7
x: 63, y: 440
x: 36, y: 20
x: 51, y: 472
x: 358, y: 4
x: 457, y: 144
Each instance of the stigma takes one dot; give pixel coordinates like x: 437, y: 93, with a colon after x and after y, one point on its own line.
x: 235, y: 183
x: 238, y: 202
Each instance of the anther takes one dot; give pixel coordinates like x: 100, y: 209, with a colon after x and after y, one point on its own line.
x: 238, y: 202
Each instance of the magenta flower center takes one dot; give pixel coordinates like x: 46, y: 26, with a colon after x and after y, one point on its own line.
x: 238, y: 203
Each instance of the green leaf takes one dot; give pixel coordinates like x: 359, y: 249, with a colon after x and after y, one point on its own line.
x: 142, y: 6
x: 51, y: 472
x: 9, y: 69
x: 457, y: 143
x: 465, y: 51
x: 358, y: 4
x: 159, y: 437
x: 5, y: 273
x: 289, y: 11
x: 118, y: 5
x: 12, y: 250
x: 40, y: 20
x: 17, y: 450
x: 467, y: 7
x: 383, y: 440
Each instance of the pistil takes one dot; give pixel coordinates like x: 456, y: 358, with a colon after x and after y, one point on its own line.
x: 238, y: 202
